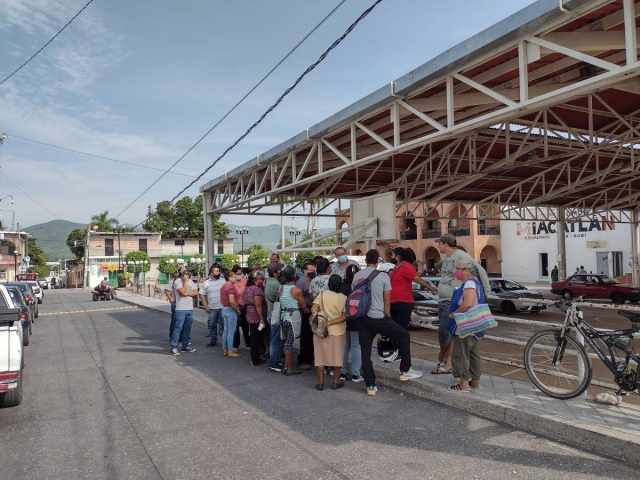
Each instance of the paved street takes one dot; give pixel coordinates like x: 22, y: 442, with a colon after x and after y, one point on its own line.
x: 102, y: 399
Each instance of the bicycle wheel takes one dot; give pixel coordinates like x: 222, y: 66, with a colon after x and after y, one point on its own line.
x: 554, y: 364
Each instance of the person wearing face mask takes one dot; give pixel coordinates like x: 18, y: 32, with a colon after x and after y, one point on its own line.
x: 184, y: 290
x: 241, y: 283
x: 210, y: 299
x: 466, y: 353
x: 305, y: 358
x: 230, y: 312
x: 451, y: 255
x: 340, y: 267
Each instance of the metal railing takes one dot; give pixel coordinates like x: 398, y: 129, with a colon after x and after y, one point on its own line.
x: 460, y: 232
x: 431, y: 233
x: 409, y: 235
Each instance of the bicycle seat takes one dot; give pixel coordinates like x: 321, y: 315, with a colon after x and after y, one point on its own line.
x: 634, y: 317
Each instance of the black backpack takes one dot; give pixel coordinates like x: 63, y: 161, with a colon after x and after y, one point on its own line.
x: 359, y: 302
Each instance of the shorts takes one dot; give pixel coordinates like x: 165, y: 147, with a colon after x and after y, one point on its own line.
x: 444, y: 336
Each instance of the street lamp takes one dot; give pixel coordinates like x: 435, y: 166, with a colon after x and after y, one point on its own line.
x: 242, y: 232
x: 7, y: 197
x: 294, y: 232
x: 179, y: 231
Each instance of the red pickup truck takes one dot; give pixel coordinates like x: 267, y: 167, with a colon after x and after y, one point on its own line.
x: 596, y: 286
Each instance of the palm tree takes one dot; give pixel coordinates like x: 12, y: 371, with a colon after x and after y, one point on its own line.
x: 104, y: 223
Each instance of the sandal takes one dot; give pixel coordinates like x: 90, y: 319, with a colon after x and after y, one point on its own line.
x: 320, y: 387
x: 233, y: 355
x: 290, y: 373
x: 477, y: 387
x: 458, y: 388
x: 440, y: 370
x: 337, y: 385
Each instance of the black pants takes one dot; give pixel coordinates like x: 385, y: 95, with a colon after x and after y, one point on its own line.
x: 368, y: 328
x: 255, y: 341
x: 401, y: 313
x: 242, y: 322
x: 306, y: 341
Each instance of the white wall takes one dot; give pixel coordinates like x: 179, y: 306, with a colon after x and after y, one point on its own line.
x: 523, y: 242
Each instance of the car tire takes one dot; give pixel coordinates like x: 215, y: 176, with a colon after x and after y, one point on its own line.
x: 25, y: 338
x: 95, y: 297
x: 12, y: 398
x: 35, y: 315
x: 567, y: 295
x: 618, y: 298
x: 39, y: 301
x: 508, y: 308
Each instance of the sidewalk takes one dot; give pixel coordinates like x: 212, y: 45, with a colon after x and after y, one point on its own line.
x: 580, y: 422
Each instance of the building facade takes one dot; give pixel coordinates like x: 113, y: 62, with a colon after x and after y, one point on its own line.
x: 12, y: 254
x: 418, y: 231
x: 107, y: 249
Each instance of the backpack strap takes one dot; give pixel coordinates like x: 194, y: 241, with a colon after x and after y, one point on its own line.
x: 373, y: 275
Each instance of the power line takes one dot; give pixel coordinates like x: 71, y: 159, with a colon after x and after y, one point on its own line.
x: 286, y: 92
x: 232, y: 109
x: 47, y: 44
x: 97, y: 156
x: 4, y: 175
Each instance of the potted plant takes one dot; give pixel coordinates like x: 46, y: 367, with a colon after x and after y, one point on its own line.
x: 122, y: 279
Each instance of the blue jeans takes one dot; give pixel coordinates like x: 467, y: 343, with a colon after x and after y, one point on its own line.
x: 275, y: 347
x: 184, y: 320
x: 353, y: 344
x: 173, y: 323
x: 215, y: 318
x: 230, y: 318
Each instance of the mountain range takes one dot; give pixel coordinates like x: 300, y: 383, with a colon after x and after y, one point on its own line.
x: 52, y: 236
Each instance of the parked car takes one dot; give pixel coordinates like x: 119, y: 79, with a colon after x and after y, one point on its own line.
x: 36, y: 290
x: 24, y: 312
x: 44, y: 283
x: 11, y: 352
x: 508, y: 296
x: 596, y: 287
x: 425, y: 309
x: 27, y: 291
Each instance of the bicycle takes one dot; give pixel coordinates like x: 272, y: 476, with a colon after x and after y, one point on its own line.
x: 559, y: 365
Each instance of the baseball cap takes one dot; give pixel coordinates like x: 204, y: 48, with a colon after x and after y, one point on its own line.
x: 449, y: 239
x: 273, y: 268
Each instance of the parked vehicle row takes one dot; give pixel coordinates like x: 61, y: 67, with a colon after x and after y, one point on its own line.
x: 18, y: 310
x: 600, y: 287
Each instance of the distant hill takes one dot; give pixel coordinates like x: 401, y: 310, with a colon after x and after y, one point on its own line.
x: 52, y: 237
x: 267, y: 235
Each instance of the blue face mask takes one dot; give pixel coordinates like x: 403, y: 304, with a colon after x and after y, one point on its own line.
x: 343, y: 259
x: 311, y: 274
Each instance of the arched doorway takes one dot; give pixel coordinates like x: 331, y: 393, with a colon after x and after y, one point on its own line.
x: 358, y: 252
x: 489, y: 261
x: 344, y: 236
x: 431, y: 256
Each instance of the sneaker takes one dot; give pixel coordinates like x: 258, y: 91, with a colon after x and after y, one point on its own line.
x: 189, y: 350
x: 357, y: 378
x: 211, y: 344
x: 343, y: 377
x: 174, y: 351
x: 410, y: 375
x: 276, y: 369
x: 371, y: 390
x: 259, y: 364
x: 331, y: 372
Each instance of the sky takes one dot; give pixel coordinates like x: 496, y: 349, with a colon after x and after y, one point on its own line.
x: 141, y: 81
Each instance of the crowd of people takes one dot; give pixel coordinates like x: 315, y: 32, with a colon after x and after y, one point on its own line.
x: 271, y: 307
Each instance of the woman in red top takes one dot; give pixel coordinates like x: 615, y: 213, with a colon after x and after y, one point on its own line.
x: 402, y: 277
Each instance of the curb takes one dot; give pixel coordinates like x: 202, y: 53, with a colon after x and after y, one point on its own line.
x: 584, y: 436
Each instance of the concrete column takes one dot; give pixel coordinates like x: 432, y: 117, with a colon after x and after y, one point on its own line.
x: 635, y: 268
x: 209, y: 237
x: 562, y: 251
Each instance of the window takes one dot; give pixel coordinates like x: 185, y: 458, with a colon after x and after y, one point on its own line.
x: 179, y: 242
x: 200, y: 247
x: 578, y: 279
x: 108, y: 247
x: 544, y: 264
x: 142, y: 245
x: 617, y: 264
x: 220, y: 246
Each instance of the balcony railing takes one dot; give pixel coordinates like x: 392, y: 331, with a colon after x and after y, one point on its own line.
x: 460, y: 232
x: 431, y: 233
x: 489, y: 230
x: 409, y: 235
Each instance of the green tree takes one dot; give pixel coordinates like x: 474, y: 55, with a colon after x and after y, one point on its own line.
x: 75, y: 242
x: 104, y: 222
x: 258, y: 256
x: 287, y: 243
x: 186, y: 212
x: 38, y: 260
x: 165, y: 266
x: 228, y: 260
x: 303, y: 257
x: 140, y: 257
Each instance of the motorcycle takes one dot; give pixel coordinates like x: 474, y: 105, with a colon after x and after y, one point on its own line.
x: 103, y: 292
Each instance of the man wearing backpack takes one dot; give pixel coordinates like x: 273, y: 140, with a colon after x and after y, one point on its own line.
x: 375, y: 290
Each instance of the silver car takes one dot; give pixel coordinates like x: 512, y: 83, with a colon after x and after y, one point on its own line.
x: 425, y: 309
x: 512, y: 297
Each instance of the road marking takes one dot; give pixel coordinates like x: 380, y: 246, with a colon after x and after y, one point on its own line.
x: 89, y: 311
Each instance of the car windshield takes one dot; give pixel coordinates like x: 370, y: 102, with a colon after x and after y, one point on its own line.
x: 511, y: 285
x: 608, y: 280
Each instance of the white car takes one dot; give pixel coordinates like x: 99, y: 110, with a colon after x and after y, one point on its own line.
x: 37, y: 291
x: 11, y: 352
